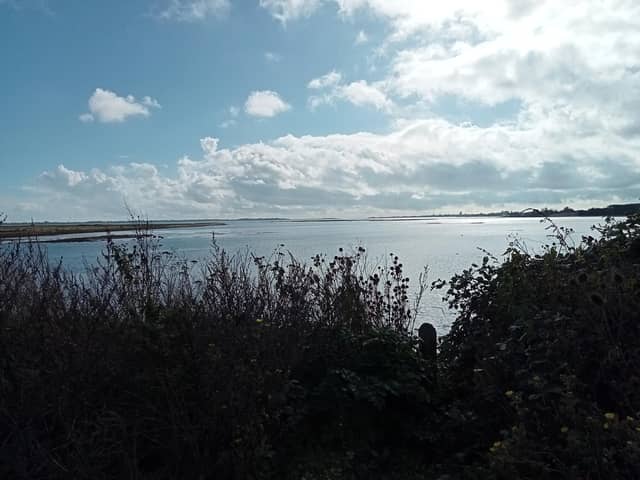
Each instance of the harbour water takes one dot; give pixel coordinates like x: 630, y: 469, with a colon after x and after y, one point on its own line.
x: 445, y: 245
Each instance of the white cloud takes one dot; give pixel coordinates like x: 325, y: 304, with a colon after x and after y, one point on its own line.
x: 361, y: 38
x: 328, y: 80
x: 193, y: 10
x: 358, y: 93
x: 107, y: 107
x: 421, y: 165
x: 265, y: 103
x: 151, y: 102
x: 573, y: 76
x: 285, y: 10
x: 234, y: 111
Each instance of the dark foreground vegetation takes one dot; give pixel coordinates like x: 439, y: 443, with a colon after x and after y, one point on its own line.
x: 266, y: 368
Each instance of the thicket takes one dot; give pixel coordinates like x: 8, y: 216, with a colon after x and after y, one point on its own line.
x: 146, y: 366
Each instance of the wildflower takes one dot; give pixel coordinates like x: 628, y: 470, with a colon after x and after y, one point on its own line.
x: 259, y: 320
x: 564, y: 429
x: 610, y: 416
x: 630, y: 419
x: 497, y: 444
x: 509, y: 393
x: 606, y: 426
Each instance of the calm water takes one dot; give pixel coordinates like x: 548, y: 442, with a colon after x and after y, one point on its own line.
x: 446, y: 245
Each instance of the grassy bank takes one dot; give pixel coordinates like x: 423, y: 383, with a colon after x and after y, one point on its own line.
x: 270, y: 368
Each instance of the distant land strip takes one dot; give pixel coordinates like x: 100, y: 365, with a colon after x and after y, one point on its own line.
x: 35, y: 230
x: 619, y: 210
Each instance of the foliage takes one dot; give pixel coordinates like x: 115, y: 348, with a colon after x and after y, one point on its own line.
x: 148, y: 366
x: 544, y: 357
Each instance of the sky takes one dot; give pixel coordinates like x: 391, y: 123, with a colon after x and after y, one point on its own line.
x: 315, y: 108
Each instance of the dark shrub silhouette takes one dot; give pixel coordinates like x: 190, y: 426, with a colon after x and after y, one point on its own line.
x: 146, y: 366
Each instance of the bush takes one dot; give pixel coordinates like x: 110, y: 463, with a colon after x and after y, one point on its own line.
x: 146, y: 366
x: 544, y: 356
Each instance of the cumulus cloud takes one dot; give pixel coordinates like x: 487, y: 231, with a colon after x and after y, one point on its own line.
x: 573, y: 137
x: 358, y: 93
x: 107, y: 107
x: 361, y: 93
x: 328, y: 80
x: 265, y: 103
x: 422, y: 165
x: 193, y: 10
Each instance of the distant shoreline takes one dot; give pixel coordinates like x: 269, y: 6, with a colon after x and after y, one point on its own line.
x: 105, y: 230
x: 36, y: 230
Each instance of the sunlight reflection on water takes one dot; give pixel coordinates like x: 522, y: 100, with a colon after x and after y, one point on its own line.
x: 446, y: 245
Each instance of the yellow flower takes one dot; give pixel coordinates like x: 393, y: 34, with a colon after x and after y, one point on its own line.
x: 630, y: 419
x: 564, y: 429
x: 606, y: 426
x: 509, y: 393
x: 259, y: 320
x: 610, y: 416
x: 497, y: 444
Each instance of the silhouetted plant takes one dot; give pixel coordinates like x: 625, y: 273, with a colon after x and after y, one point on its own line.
x: 150, y: 366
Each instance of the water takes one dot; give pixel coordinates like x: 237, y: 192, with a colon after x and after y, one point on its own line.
x: 446, y: 245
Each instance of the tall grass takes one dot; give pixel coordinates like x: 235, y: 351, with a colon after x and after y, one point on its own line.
x: 140, y: 368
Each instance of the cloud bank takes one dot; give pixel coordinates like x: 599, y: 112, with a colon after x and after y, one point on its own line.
x: 424, y: 165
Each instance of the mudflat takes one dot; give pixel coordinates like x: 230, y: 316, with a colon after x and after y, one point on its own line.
x: 23, y: 230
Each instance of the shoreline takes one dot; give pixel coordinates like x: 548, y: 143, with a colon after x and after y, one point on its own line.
x: 25, y: 231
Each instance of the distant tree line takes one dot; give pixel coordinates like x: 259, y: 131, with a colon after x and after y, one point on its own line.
x: 615, y: 210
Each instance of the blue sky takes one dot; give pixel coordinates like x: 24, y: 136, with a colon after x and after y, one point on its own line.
x: 223, y: 108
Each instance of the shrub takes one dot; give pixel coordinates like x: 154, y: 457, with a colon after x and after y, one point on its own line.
x: 148, y: 366
x: 144, y: 366
x: 544, y: 351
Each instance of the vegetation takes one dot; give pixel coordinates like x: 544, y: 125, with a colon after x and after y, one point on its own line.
x: 615, y: 210
x: 149, y: 367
